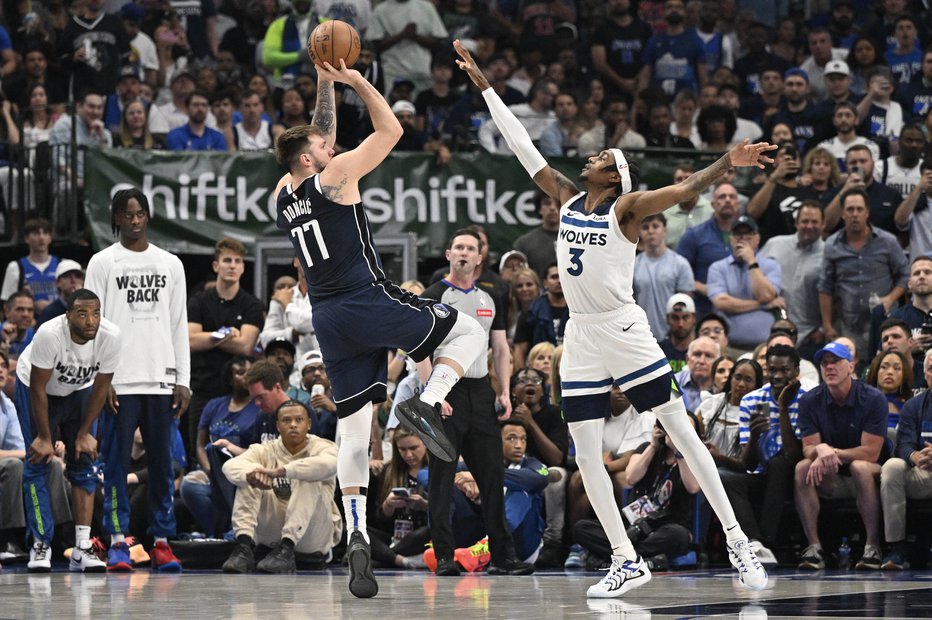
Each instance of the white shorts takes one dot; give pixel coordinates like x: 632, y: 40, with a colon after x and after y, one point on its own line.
x: 607, y: 348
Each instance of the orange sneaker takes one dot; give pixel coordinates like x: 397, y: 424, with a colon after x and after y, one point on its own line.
x: 474, y: 559
x: 430, y: 559
x: 163, y: 560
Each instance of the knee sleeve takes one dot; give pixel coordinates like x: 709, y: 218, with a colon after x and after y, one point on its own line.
x: 353, y: 433
x: 465, y: 342
x: 587, y: 437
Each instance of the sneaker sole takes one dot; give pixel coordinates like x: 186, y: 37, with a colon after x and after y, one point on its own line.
x: 88, y: 569
x: 437, y: 443
x: 229, y: 570
x: 627, y: 586
x: 170, y: 567
x: 864, y: 566
x: 808, y: 566
x: 891, y: 566
x: 362, y: 583
x: 121, y: 567
x: 39, y: 569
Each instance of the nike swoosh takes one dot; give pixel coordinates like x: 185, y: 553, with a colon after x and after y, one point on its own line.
x: 624, y: 329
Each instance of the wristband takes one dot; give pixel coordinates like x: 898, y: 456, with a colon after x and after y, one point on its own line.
x: 753, y: 266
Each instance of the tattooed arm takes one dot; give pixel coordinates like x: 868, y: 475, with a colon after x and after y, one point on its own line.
x: 325, y: 116
x: 655, y: 201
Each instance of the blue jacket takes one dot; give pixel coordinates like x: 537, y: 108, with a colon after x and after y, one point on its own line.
x: 540, y: 322
x: 915, y: 427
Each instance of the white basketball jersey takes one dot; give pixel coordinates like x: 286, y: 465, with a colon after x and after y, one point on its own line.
x: 903, y: 180
x: 596, y: 261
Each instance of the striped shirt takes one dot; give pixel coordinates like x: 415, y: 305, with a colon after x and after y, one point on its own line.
x: 763, y: 399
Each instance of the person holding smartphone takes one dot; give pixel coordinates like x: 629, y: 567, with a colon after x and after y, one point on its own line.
x: 775, y: 203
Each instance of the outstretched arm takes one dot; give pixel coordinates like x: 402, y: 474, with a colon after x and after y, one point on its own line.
x: 550, y: 181
x: 744, y: 154
x: 325, y: 117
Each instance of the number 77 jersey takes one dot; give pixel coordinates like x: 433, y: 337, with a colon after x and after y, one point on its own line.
x: 596, y: 261
x: 332, y: 241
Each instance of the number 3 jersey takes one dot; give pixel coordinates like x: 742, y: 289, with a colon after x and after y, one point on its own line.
x: 596, y: 261
x: 332, y: 241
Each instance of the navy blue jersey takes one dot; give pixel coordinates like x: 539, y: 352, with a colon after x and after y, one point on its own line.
x: 332, y: 241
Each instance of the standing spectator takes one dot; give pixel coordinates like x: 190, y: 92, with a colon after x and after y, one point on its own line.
x: 35, y: 271
x: 681, y: 324
x: 404, y: 32
x: 223, y: 321
x: 36, y: 70
x: 691, y: 213
x: 560, y: 137
x: 777, y: 201
x: 195, y: 135
x: 433, y: 105
x: 89, y: 131
x: 800, y: 258
x: 92, y: 48
x: 745, y: 287
x: 838, y: 85
x: 539, y: 244
x: 882, y: 200
x: 845, y: 122
x: 142, y: 289
x: 659, y: 136
x: 539, y: 22
x: 752, y: 67
x: 284, y: 497
x: 905, y: 59
x: 821, y: 171
x: 284, y: 48
x: 916, y: 311
x: 881, y: 117
x: 851, y: 283
x: 798, y: 110
x: 173, y: 112
x: 916, y: 96
x: 19, y: 328
x: 675, y: 59
x: 659, y: 272
x: 900, y: 172
x: 908, y: 475
x: 614, y: 130
x: 62, y: 382
x: 525, y: 289
x: 544, y: 321
x: 254, y: 133
x: 864, y: 56
x: 290, y: 316
x: 704, y: 244
x: 915, y: 213
x: 535, y: 115
x: 617, y: 46
x: 142, y: 47
x: 474, y: 432
x: 843, y: 424
x: 356, y: 13
x: 697, y: 376
x: 199, y: 20
x: 69, y: 277
x: 821, y: 50
x: 719, y: 50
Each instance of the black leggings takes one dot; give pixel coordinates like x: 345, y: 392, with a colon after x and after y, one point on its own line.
x: 671, y: 539
x: 413, y: 544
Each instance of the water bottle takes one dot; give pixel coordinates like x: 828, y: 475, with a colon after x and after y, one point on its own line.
x: 873, y: 301
x: 844, y: 554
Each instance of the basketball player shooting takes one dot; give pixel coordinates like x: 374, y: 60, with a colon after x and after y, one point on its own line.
x: 358, y: 313
x: 608, y: 340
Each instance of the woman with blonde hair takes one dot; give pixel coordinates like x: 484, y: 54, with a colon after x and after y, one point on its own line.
x: 540, y: 357
x: 525, y: 288
x: 134, y: 128
x: 820, y: 171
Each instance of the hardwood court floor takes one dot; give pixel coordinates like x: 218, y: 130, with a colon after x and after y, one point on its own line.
x: 415, y: 595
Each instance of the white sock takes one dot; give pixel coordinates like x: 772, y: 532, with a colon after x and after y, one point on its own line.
x: 587, y: 436
x: 354, y: 509
x: 117, y: 538
x: 672, y: 416
x: 82, y: 536
x: 441, y: 381
x: 159, y: 539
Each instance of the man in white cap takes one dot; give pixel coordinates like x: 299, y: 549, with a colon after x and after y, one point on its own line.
x: 607, y: 341
x: 511, y: 263
x: 681, y: 329
x: 69, y: 277
x: 314, y: 381
x: 838, y: 83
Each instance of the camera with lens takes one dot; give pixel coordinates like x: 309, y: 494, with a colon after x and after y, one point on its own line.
x: 639, y: 530
x: 926, y: 327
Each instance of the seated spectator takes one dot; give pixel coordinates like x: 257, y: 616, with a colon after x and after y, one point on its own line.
x: 314, y: 381
x: 891, y: 372
x: 776, y: 203
x: 684, y: 117
x: 916, y: 312
x: 658, y: 134
x: 525, y: 480
x: 281, y: 351
x: 38, y: 118
x: 716, y: 126
x: 908, y: 475
x: 19, y: 327
x: 226, y: 429
x: 69, y: 277
x: 560, y: 138
x: 284, y: 497
x: 510, y: 264
x: 535, y: 116
x: 525, y: 289
x: 659, y: 273
x: 770, y: 448
x: 659, y: 517
x: 264, y: 382
x: 843, y: 425
x: 539, y: 358
x: 697, y: 376
x: 195, y: 135
x: 614, y: 130
x: 294, y: 110
x: 895, y: 334
x: 721, y: 370
x: 746, y: 286
x: 681, y: 324
x: 820, y: 171
x: 690, y: 213
x: 720, y: 414
x: 222, y: 105
x: 716, y: 327
x: 785, y: 334
x: 253, y: 132
x: 134, y: 128
x: 398, y: 530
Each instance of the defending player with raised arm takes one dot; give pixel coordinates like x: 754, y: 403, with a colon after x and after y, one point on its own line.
x: 607, y: 339
x: 358, y: 313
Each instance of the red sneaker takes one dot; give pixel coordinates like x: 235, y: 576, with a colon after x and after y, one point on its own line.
x: 474, y: 559
x: 430, y: 559
x: 163, y: 560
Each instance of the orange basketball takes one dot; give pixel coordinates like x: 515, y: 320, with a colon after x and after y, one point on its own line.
x: 333, y: 40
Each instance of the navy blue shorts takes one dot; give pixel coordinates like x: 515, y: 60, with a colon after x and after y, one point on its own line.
x: 356, y: 331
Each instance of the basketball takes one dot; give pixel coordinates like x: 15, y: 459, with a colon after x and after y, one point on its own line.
x: 333, y: 40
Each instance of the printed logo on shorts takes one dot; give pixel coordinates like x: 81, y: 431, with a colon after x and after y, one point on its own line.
x: 441, y: 311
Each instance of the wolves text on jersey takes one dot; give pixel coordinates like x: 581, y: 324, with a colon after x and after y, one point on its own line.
x: 583, y: 237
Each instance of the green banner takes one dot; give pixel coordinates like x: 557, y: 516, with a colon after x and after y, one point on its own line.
x: 198, y: 198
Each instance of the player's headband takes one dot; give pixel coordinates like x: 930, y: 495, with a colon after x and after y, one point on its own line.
x: 622, y: 164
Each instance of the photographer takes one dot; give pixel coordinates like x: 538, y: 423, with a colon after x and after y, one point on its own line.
x: 915, y: 216
x: 660, y: 506
x: 775, y: 203
x: 882, y: 200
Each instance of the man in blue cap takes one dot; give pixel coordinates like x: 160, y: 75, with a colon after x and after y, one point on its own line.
x: 843, y: 425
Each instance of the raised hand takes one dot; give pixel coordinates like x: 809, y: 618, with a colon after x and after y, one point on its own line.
x: 468, y: 65
x: 341, y: 74
x: 746, y: 154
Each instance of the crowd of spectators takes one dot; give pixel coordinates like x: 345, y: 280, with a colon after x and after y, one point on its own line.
x: 786, y: 303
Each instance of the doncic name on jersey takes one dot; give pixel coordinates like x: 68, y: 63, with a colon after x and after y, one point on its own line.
x: 70, y: 374
x: 296, y: 209
x: 142, y: 287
